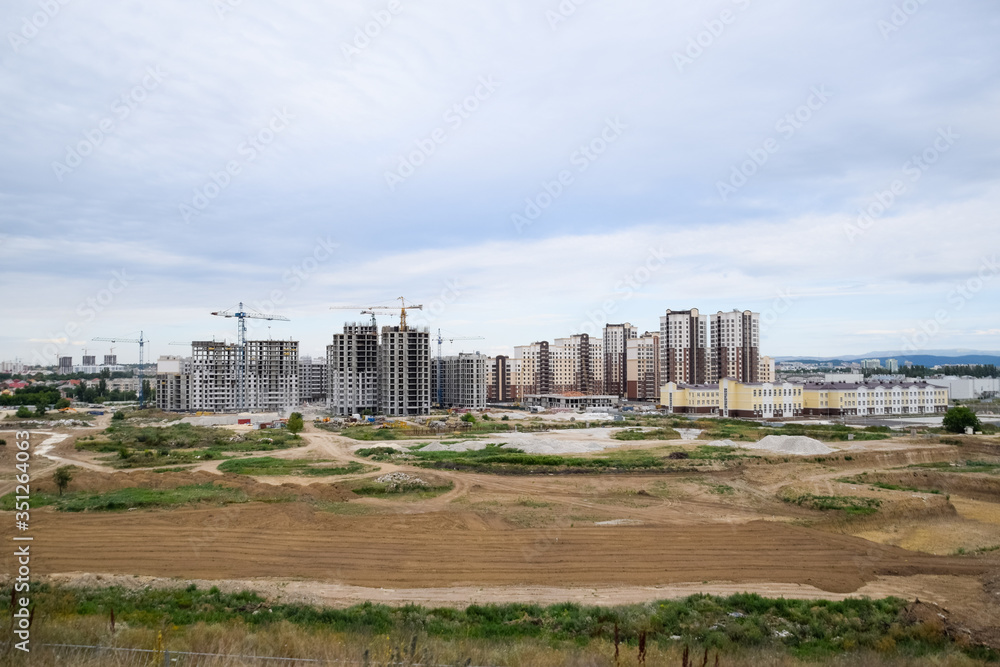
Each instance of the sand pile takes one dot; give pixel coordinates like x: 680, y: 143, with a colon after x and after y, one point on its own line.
x: 798, y: 445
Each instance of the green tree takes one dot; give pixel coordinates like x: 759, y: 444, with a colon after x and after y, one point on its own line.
x: 105, y: 373
x: 23, y: 412
x: 40, y: 409
x: 295, y: 423
x: 102, y: 387
x: 469, y: 417
x: 62, y: 403
x: 118, y: 416
x: 959, y: 418
x: 62, y: 477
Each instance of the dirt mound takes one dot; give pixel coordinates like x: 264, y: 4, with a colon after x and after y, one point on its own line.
x: 797, y: 445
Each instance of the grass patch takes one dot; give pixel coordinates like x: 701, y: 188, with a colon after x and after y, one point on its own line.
x: 655, y: 434
x: 268, y: 465
x: 381, y: 453
x: 804, y: 628
x: 124, y: 499
x: 749, y: 431
x: 178, y: 444
x: 961, y: 466
x: 853, y: 505
x: 402, y: 491
x: 863, y: 479
x: 721, y: 489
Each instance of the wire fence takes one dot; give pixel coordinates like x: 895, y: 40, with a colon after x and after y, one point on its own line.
x: 82, y: 655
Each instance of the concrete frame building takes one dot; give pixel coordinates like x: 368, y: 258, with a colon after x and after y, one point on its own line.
x: 272, y: 375
x: 463, y: 380
x: 616, y: 340
x: 404, y: 373
x: 207, y: 380
x: 312, y: 380
x: 642, y: 368
x: 352, y: 370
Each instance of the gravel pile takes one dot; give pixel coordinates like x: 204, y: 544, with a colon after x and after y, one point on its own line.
x: 798, y: 445
x: 394, y: 479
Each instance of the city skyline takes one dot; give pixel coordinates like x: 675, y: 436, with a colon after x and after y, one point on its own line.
x: 645, y: 157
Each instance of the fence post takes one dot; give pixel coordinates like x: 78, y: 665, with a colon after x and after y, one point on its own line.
x: 166, y: 658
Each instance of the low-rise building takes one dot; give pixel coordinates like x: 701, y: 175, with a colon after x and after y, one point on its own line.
x: 874, y: 398
x: 572, y: 400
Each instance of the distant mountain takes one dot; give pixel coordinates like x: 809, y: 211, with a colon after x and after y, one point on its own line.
x: 928, y: 358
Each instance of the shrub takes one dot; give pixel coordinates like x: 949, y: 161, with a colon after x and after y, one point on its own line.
x: 959, y: 418
x: 119, y: 416
x: 23, y: 412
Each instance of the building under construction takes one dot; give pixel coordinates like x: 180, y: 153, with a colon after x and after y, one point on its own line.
x: 209, y: 380
x: 352, y: 370
x: 463, y: 381
x: 404, y: 371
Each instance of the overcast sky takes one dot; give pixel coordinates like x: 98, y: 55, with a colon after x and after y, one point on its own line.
x: 525, y: 170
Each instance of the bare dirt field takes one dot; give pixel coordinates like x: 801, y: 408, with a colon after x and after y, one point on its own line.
x: 602, y: 538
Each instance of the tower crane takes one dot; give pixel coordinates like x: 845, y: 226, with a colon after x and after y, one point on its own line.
x: 371, y: 310
x: 440, y: 341
x: 242, y: 314
x: 141, y: 340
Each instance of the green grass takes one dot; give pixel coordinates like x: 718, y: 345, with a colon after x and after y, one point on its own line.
x: 852, y: 505
x: 402, y: 491
x: 863, y: 479
x: 802, y: 628
x: 507, y: 460
x: 655, y: 434
x: 748, y: 431
x: 179, y: 444
x: 961, y: 466
x: 124, y: 499
x: 722, y: 489
x: 380, y: 453
x: 268, y: 465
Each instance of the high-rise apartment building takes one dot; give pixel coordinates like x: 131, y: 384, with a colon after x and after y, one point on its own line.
x: 404, y: 372
x: 531, y: 371
x: 462, y: 381
x: 272, y: 375
x: 208, y: 380
x: 735, y: 342
x: 499, y: 378
x: 312, y: 379
x: 642, y: 367
x: 577, y: 365
x: 685, y: 356
x: 616, y: 339
x: 352, y: 370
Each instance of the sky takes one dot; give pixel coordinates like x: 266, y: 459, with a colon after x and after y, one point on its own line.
x: 523, y: 170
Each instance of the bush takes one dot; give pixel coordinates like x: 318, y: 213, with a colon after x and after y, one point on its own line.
x: 23, y: 412
x: 119, y: 416
x: 295, y: 423
x: 959, y: 418
x: 62, y: 403
x: 469, y: 417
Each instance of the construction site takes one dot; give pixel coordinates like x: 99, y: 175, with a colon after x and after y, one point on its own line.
x: 513, y: 508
